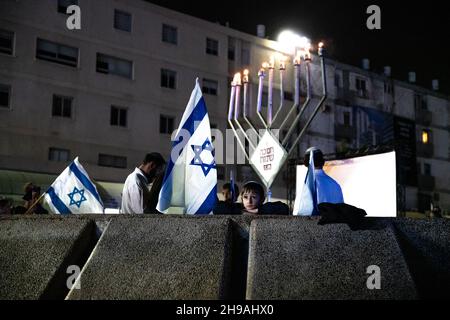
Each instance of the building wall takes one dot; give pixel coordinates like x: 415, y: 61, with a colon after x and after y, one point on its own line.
x: 28, y: 129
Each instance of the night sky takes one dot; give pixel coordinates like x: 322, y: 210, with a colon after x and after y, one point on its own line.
x: 413, y: 36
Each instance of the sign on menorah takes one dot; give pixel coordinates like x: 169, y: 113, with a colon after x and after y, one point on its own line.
x: 269, y: 154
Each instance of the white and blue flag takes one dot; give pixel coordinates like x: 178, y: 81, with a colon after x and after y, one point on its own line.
x: 74, y: 192
x: 190, y: 180
x: 308, y: 197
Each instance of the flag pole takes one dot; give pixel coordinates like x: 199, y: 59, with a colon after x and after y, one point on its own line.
x: 35, y: 203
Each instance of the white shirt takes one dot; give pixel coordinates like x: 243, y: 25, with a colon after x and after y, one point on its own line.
x: 328, y: 190
x: 135, y: 192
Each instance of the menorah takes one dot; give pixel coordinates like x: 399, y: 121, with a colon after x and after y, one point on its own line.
x: 269, y: 154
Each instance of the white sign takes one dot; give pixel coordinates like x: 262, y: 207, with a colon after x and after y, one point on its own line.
x: 268, y: 158
x: 367, y: 182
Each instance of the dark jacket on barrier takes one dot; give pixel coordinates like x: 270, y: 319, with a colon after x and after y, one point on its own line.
x: 341, y: 213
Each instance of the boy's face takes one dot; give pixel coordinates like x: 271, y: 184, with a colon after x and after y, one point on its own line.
x: 226, y: 193
x: 251, y: 200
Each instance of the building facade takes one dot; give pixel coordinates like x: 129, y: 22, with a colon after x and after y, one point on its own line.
x: 117, y: 88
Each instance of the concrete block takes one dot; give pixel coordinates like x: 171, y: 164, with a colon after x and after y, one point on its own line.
x: 35, y: 254
x: 294, y: 258
x: 426, y: 247
x: 159, y: 257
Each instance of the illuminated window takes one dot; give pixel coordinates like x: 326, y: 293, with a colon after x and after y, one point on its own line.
x: 425, y: 136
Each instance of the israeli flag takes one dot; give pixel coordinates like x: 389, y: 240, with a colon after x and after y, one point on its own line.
x: 308, y: 197
x: 190, y: 180
x: 73, y: 192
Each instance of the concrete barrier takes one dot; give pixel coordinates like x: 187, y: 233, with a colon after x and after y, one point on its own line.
x: 222, y: 257
x: 160, y: 257
x: 35, y: 254
x: 426, y: 247
x: 294, y: 258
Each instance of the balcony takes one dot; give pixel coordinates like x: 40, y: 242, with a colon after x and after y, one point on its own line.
x: 425, y: 182
x: 423, y: 117
x: 424, y: 150
x: 342, y: 131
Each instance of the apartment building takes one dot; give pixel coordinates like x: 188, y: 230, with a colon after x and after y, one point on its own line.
x: 117, y: 88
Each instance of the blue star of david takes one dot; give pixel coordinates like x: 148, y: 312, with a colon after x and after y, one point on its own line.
x: 73, y: 193
x: 197, y: 161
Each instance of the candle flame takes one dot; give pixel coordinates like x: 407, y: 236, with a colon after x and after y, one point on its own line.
x: 236, y: 79
x: 271, y: 61
x: 298, y: 57
x: 245, y: 79
x: 261, y: 72
x: 320, y: 44
x: 265, y: 65
x: 282, y: 62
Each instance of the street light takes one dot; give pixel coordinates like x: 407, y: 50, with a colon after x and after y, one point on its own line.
x: 289, y: 41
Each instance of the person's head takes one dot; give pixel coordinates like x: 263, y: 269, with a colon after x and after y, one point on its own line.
x: 152, y: 165
x: 317, y: 157
x: 252, y: 195
x: 226, y: 191
x: 28, y: 187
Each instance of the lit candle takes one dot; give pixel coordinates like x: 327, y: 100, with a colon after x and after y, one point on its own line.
x: 320, y: 50
x: 232, y: 94
x: 297, y: 61
x: 245, y: 81
x: 261, y: 75
x: 307, y: 53
x: 270, y: 98
x: 238, y: 95
x: 282, y: 69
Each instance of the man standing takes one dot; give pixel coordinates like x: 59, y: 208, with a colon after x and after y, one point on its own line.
x: 136, y: 197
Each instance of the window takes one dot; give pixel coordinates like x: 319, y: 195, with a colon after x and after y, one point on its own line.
x: 427, y: 169
x: 420, y: 102
x: 168, y: 79
x: 212, y: 46
x: 6, y: 41
x: 387, y: 88
x: 426, y: 136
x: 245, y: 57
x: 62, y: 106
x: 231, y: 49
x: 360, y: 84
x: 57, y: 154
x: 5, y: 93
x: 122, y: 20
x: 346, y: 118
x: 118, y: 116
x: 58, y: 53
x: 106, y: 160
x: 337, y: 80
x: 112, y: 65
x: 166, y: 124
x: 169, y: 34
x: 361, y: 87
x: 64, y: 4
x: 210, y: 87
